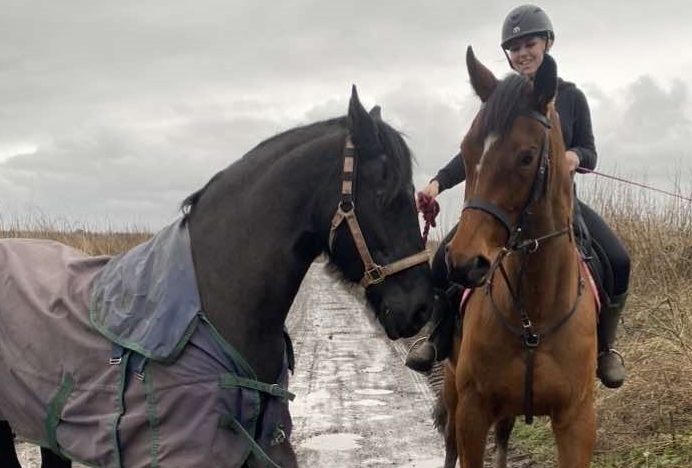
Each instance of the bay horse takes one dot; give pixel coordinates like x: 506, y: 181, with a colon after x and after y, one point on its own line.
x: 528, y: 341
x: 342, y: 187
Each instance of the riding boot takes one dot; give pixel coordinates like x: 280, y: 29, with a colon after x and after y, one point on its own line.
x: 438, y: 344
x: 611, y: 365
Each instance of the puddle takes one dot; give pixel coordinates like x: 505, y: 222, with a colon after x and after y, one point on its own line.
x: 343, y: 441
x: 373, y: 391
x: 369, y: 402
x: 380, y: 417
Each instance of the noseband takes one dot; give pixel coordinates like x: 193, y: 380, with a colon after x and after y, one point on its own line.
x: 373, y: 273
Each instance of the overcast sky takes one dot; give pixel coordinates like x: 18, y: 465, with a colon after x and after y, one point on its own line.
x: 113, y: 111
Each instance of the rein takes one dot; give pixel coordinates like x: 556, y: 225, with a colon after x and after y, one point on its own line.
x: 530, y: 336
x: 346, y: 210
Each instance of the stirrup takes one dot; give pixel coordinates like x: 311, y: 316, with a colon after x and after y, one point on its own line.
x: 423, y: 339
x: 615, y: 352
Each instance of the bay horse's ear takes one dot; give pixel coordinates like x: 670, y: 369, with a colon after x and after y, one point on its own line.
x: 545, y: 84
x: 482, y: 79
x: 361, y: 125
x: 376, y: 113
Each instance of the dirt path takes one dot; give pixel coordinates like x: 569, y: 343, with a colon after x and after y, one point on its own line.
x: 356, y: 404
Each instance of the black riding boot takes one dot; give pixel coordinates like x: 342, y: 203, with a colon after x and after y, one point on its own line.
x: 438, y: 344
x: 611, y: 365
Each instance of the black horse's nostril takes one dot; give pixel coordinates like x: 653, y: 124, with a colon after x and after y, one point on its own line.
x: 421, y: 316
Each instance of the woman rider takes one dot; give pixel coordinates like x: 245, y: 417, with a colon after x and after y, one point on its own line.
x: 527, y: 34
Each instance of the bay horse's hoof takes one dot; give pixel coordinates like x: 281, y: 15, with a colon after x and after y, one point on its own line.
x: 611, y: 369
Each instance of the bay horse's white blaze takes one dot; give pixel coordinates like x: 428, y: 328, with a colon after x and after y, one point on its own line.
x: 487, y: 144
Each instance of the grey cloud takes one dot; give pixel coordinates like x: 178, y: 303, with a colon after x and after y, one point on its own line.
x: 154, y: 97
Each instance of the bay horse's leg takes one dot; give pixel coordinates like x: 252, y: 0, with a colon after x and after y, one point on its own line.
x: 49, y: 459
x: 575, y: 436
x: 503, y: 429
x: 473, y: 423
x: 8, y: 454
x: 449, y: 393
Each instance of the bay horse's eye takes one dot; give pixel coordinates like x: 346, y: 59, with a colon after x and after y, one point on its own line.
x: 526, y: 158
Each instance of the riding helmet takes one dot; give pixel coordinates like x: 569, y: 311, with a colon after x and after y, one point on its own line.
x: 524, y: 20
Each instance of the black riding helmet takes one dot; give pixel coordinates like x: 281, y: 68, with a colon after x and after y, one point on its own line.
x: 526, y: 20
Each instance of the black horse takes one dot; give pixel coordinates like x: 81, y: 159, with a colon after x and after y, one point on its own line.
x: 341, y: 187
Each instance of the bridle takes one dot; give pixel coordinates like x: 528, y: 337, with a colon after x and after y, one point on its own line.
x: 373, y: 273
x: 517, y: 244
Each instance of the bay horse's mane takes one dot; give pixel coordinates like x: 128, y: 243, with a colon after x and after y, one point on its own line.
x: 399, y: 160
x: 510, y: 99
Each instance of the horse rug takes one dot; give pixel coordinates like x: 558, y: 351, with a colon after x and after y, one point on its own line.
x: 111, y: 361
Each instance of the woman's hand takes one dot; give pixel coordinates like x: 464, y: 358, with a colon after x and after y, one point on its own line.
x: 431, y: 190
x: 572, y: 161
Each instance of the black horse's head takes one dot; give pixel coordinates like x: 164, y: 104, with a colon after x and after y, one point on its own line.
x: 381, y: 195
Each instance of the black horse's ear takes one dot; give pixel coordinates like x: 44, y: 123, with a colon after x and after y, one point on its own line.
x: 545, y: 84
x: 482, y: 79
x: 376, y: 113
x: 361, y: 125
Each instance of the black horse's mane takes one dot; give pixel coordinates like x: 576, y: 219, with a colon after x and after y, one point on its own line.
x: 506, y: 103
x: 399, y: 160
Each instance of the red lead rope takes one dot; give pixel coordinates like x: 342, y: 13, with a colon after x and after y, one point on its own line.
x: 429, y: 208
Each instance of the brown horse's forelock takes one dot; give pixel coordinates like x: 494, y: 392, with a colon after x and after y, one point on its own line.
x: 509, y: 100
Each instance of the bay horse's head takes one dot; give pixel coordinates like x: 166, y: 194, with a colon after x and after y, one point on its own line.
x: 516, y: 179
x: 375, y: 237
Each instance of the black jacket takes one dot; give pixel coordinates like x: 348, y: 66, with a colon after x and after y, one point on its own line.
x: 575, y: 120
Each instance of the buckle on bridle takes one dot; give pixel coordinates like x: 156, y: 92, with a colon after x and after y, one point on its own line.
x: 375, y: 275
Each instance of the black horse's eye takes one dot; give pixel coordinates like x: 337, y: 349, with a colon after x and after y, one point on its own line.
x: 526, y: 158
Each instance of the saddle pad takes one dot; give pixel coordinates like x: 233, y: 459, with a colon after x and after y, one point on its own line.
x: 146, y: 299
x: 58, y: 388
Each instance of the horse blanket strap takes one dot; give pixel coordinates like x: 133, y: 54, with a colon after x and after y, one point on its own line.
x: 346, y: 210
x: 231, y: 422
x: 232, y: 380
x: 75, y: 394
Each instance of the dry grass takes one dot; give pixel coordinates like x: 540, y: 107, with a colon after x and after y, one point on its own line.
x: 81, y: 237
x: 648, y: 422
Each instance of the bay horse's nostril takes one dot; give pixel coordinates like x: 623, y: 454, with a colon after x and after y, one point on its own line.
x: 471, y: 273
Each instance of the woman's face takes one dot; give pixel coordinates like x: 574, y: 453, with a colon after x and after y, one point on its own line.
x: 526, y: 54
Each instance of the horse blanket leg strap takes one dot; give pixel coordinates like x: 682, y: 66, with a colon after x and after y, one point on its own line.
x: 230, y: 422
x: 55, y: 408
x: 233, y: 380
